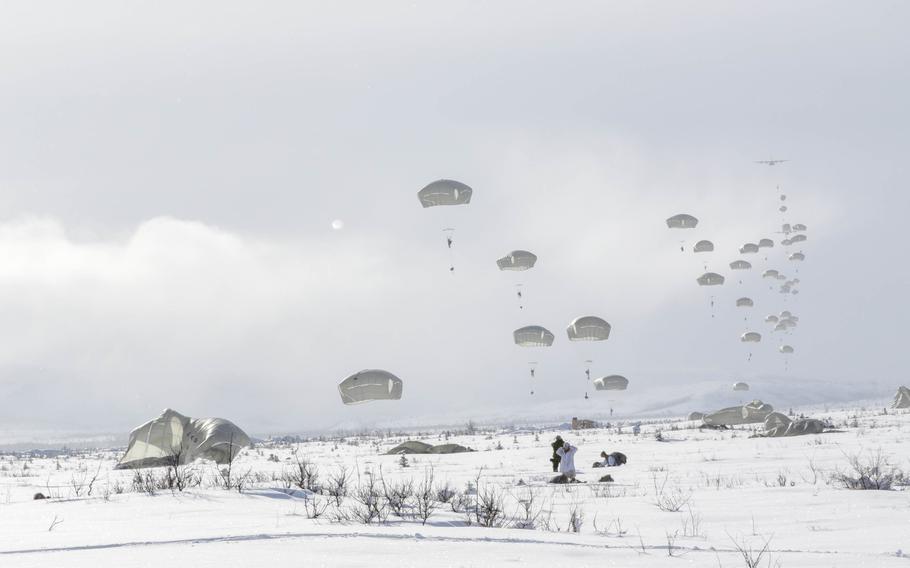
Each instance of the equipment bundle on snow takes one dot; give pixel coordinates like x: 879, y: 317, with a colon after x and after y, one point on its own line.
x: 778, y: 425
x: 415, y: 447
x: 752, y: 413
x: 902, y: 398
x: 175, y: 439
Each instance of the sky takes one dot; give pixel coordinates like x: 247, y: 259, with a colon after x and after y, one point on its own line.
x: 170, y: 173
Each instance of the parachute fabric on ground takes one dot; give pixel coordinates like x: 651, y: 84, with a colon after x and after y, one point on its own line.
x: 533, y: 336
x: 703, y: 246
x: 779, y: 425
x: 682, y: 221
x: 517, y: 260
x: 611, y: 382
x: 741, y: 265
x: 588, y: 328
x: 445, y: 192
x: 710, y: 279
x: 695, y: 416
x: 901, y: 398
x: 370, y: 385
x: 175, y: 439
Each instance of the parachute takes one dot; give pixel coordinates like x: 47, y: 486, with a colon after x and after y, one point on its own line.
x: 517, y: 260
x: 710, y: 279
x: 611, y: 382
x: 588, y: 328
x: 533, y: 336
x: 772, y: 319
x: 798, y: 239
x: 740, y: 265
x: 369, y: 385
x: 786, y: 349
x: 745, y: 303
x: 766, y: 243
x: 786, y: 229
x: 782, y: 208
x: 175, y: 439
x: 740, y: 386
x: 445, y: 192
x: 786, y: 242
x: 703, y: 246
x: 682, y: 221
x: 748, y: 248
x: 771, y: 273
x: 750, y: 337
x: 797, y: 256
x: 799, y: 227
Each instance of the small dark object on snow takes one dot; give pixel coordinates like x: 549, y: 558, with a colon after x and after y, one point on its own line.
x: 563, y: 479
x: 606, y: 479
x: 39, y: 496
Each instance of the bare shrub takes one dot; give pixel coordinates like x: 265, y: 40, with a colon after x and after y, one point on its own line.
x: 369, y: 506
x: 398, y: 495
x: 445, y: 493
x: 871, y: 473
x: 304, y: 473
x: 425, y: 503
x: 314, y: 507
x: 338, y: 483
x: 528, y: 511
x: 692, y: 524
x: 751, y: 557
x: 489, y: 507
x: 668, y: 499
x: 576, y: 518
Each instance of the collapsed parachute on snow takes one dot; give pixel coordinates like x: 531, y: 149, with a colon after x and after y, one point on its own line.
x: 175, y: 439
x: 369, y: 385
x: 751, y: 413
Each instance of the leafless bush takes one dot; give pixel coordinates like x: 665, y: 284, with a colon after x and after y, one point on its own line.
x: 369, y: 506
x: 615, y: 528
x: 668, y: 499
x: 445, y: 493
x: 528, y: 511
x: 813, y: 473
x: 751, y: 557
x: 398, y: 495
x: 314, y: 507
x: 489, y: 507
x: 425, y: 498
x: 304, y: 473
x: 54, y: 523
x: 228, y: 478
x: 671, y: 542
x: 873, y: 473
x: 576, y: 518
x: 692, y: 523
x: 338, y: 482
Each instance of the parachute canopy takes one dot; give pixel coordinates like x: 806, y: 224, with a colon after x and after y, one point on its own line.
x: 740, y: 265
x: 901, y: 398
x: 799, y: 227
x: 517, y: 260
x: 751, y: 413
x: 771, y: 273
x: 745, y: 303
x: 766, y: 243
x: 703, y: 246
x: 533, y: 336
x: 588, y: 328
x: 748, y: 248
x: 772, y: 319
x: 786, y: 349
x: 779, y: 425
x: 369, y: 385
x: 750, y: 337
x: 710, y: 279
x: 798, y: 239
x: 175, y: 439
x: 611, y: 382
x: 445, y: 192
x: 682, y: 221
x: 798, y: 257
x: 740, y: 386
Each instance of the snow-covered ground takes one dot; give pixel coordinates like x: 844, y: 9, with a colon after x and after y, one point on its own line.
x: 732, y: 491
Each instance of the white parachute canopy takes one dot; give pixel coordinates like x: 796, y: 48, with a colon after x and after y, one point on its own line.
x: 782, y: 208
x: 710, y: 279
x: 175, y: 439
x: 517, y: 260
x: 740, y: 265
x: 770, y: 273
x: 445, y: 192
x: 766, y: 243
x: 750, y: 337
x: 772, y: 319
x: 703, y: 246
x: 740, y: 386
x: 798, y: 257
x: 748, y: 248
x: 369, y: 385
x: 799, y: 227
x: 588, y: 328
x: 786, y: 349
x: 611, y: 382
x: 533, y: 336
x: 798, y: 239
x: 745, y: 303
x: 682, y: 221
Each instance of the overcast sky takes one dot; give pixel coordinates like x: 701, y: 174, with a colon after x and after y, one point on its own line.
x: 170, y: 172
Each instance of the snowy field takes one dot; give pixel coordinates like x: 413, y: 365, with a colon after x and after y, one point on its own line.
x: 694, y: 498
